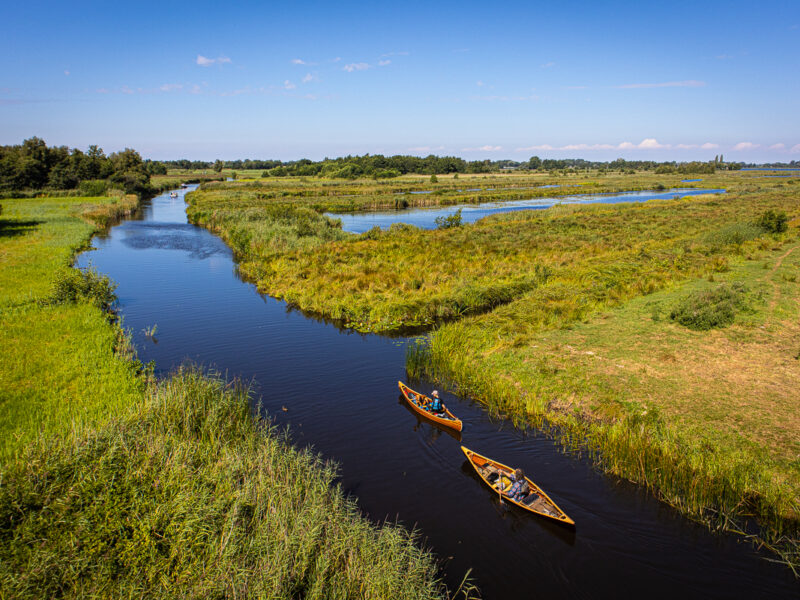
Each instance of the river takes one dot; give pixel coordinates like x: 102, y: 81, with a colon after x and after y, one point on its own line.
x: 337, y: 391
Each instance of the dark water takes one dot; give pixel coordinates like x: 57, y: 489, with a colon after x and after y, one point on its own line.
x: 340, y: 392
x: 425, y: 218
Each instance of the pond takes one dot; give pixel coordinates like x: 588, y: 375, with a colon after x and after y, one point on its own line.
x: 425, y: 218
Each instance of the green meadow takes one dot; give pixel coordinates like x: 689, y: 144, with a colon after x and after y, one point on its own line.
x: 114, y: 485
x: 587, y: 320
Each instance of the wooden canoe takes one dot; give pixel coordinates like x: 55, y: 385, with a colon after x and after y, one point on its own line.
x: 537, y: 502
x: 419, y: 405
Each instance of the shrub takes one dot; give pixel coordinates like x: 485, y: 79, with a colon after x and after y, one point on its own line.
x: 773, y: 222
x: 74, y: 285
x: 709, y: 309
x: 446, y: 222
x: 733, y: 235
x: 93, y: 187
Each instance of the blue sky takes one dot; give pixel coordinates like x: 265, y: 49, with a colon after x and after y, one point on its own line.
x: 598, y: 80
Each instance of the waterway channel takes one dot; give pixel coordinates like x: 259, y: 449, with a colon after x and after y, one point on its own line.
x: 337, y: 391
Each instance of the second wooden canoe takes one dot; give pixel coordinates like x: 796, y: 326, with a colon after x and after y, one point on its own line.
x: 420, y: 403
x: 537, y: 501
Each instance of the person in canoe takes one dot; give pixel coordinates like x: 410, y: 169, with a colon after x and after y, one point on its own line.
x: 436, y: 406
x: 519, y: 488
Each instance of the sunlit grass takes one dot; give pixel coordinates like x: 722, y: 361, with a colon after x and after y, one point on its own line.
x: 187, y: 497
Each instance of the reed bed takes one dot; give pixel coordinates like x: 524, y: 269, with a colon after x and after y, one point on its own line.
x: 384, y: 281
x: 186, y: 496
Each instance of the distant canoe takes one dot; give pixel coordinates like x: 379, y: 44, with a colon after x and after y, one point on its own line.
x: 173, y: 194
x: 537, y: 501
x: 419, y: 404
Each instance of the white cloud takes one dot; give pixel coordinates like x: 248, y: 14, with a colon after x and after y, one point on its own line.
x: 288, y: 85
x: 171, y: 87
x: 308, y: 77
x: 665, y: 84
x: 795, y: 148
x: 383, y: 63
x: 745, y: 146
x: 486, y: 148
x: 298, y: 61
x: 196, y: 89
x: 539, y: 147
x: 362, y: 66
x: 645, y: 144
x: 479, y: 83
x: 587, y: 147
x: 651, y: 144
x: 548, y: 65
x: 66, y: 73
x: 403, y: 53
x: 126, y: 90
x: 337, y: 59
x: 778, y: 146
x: 204, y: 61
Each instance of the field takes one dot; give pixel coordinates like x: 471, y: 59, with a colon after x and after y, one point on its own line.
x: 569, y: 318
x: 114, y: 485
x: 59, y: 370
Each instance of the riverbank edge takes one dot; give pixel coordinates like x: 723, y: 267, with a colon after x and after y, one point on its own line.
x: 392, y: 541
x: 637, y: 449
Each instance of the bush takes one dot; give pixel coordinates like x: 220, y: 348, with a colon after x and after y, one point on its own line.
x: 710, y: 309
x: 74, y: 285
x: 733, y: 235
x: 386, y: 174
x: 449, y: 221
x: 773, y: 222
x: 93, y: 187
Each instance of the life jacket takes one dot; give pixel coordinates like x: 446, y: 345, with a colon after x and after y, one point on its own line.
x: 436, y: 405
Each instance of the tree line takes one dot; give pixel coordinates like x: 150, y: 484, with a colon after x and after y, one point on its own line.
x: 33, y: 165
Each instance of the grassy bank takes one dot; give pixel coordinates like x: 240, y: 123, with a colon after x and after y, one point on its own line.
x: 561, y: 319
x: 64, y: 365
x: 184, y: 496
x: 111, y: 486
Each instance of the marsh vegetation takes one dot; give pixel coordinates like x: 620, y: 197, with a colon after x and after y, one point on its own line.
x: 114, y: 484
x: 509, y: 290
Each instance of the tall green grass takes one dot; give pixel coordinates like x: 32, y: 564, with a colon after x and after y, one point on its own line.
x: 112, y: 485
x: 64, y: 365
x: 187, y: 497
